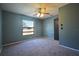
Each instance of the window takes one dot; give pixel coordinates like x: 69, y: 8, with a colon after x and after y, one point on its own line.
x: 28, y: 27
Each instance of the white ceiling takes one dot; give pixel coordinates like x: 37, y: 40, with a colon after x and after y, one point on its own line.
x: 29, y: 9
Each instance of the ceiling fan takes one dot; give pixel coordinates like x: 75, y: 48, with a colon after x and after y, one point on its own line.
x: 41, y: 12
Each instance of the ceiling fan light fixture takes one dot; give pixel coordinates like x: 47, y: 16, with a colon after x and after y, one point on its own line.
x: 41, y: 12
x: 41, y: 15
x: 38, y: 14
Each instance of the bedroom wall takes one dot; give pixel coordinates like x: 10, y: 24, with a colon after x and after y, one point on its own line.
x: 69, y: 17
x: 48, y: 29
x: 12, y: 27
x: 0, y: 30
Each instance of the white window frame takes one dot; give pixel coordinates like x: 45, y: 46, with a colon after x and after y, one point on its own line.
x: 28, y: 30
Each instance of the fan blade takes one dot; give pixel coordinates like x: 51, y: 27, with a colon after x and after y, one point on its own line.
x: 46, y: 13
x: 34, y: 14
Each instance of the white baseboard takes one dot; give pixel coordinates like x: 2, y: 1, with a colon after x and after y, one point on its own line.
x: 13, y: 43
x: 69, y: 48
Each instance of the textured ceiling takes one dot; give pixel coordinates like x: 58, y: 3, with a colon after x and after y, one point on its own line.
x: 30, y: 9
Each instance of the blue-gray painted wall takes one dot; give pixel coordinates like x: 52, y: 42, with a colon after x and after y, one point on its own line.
x: 48, y: 27
x: 0, y: 29
x: 69, y: 17
x: 12, y: 27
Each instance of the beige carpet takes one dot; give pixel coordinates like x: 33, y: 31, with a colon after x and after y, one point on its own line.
x: 38, y: 47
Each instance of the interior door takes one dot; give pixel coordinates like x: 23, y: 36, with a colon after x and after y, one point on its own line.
x: 56, y: 29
